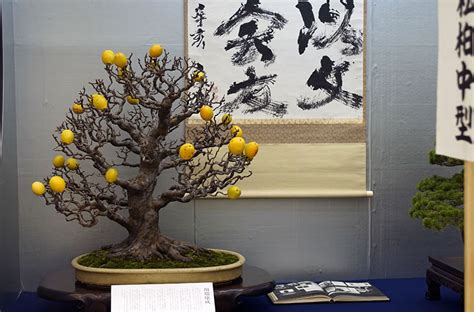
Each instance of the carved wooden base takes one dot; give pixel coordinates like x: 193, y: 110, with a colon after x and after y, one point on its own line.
x: 444, y: 271
x: 61, y: 286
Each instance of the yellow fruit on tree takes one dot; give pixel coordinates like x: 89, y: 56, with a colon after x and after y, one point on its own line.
x: 99, y: 101
x: 57, y: 184
x: 236, y: 131
x: 108, y: 57
x: 186, y: 151
x: 120, y: 73
x: 67, y: 136
x: 199, y: 76
x: 155, y: 50
x: 206, y: 112
x: 236, y: 146
x: 132, y: 100
x: 77, y: 108
x: 226, y: 119
x: 72, y: 164
x: 111, y: 175
x: 120, y: 60
x: 58, y: 161
x: 38, y: 188
x: 233, y: 192
x: 251, y: 149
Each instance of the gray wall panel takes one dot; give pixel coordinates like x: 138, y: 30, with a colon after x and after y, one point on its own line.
x: 9, y: 250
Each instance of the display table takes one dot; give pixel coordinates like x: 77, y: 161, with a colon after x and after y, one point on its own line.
x: 407, y: 295
x: 444, y: 271
x: 61, y: 286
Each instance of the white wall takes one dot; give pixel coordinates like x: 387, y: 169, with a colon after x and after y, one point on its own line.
x: 57, y: 50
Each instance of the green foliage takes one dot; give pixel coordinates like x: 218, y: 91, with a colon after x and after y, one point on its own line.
x: 444, y: 161
x: 99, y: 259
x: 439, y: 200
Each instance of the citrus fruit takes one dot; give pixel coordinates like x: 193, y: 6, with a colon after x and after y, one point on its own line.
x: 251, y: 149
x: 38, y: 188
x: 236, y: 131
x: 233, y: 192
x: 236, y: 146
x: 77, y: 108
x: 120, y: 60
x: 206, y: 112
x: 72, y: 164
x: 199, y: 76
x: 58, y: 161
x: 111, y: 175
x: 67, y: 136
x: 132, y: 100
x: 108, y: 57
x: 186, y: 151
x: 99, y: 101
x: 226, y: 119
x: 155, y: 50
x: 57, y: 184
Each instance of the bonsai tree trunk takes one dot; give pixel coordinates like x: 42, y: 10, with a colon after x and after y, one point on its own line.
x: 145, y: 240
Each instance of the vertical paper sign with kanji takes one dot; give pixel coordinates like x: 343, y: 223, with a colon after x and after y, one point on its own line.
x: 454, y: 131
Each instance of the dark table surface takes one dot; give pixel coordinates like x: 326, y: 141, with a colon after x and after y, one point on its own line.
x: 406, y: 295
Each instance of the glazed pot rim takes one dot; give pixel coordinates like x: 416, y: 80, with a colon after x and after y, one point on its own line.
x: 234, y: 265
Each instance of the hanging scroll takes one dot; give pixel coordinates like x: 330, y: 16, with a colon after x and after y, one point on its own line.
x: 292, y: 73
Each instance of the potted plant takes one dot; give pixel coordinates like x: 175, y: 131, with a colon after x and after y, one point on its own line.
x: 133, y: 115
x: 439, y: 200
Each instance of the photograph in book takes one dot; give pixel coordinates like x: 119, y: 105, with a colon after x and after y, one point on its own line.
x: 281, y: 59
x: 327, y: 291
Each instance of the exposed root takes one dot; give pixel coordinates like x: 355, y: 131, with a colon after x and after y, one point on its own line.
x: 162, y: 247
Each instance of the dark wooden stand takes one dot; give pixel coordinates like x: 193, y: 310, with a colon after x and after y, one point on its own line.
x: 444, y: 271
x: 61, y: 286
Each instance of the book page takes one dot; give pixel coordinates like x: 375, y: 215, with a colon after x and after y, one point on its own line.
x: 196, y: 297
x: 353, y: 291
x: 297, y: 290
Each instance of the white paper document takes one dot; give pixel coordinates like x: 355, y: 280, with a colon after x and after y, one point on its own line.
x: 195, y: 297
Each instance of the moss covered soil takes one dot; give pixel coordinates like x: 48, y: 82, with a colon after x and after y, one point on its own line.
x: 100, y: 259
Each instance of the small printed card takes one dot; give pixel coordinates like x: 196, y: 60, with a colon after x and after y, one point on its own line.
x: 195, y: 297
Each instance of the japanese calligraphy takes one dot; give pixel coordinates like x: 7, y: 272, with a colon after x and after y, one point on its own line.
x: 198, y: 35
x: 464, y: 122
x: 464, y: 48
x: 464, y: 40
x: 255, y: 94
x: 328, y: 78
x: 253, y: 41
x: 465, y: 7
x: 345, y: 32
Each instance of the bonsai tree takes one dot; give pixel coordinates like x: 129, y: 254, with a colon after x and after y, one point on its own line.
x: 439, y: 200
x: 135, y: 113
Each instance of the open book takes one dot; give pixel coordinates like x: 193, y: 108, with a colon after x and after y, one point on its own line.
x: 327, y: 291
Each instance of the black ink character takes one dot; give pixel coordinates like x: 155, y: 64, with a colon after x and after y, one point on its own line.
x: 328, y: 79
x: 248, y: 10
x: 251, y: 42
x: 198, y: 35
x: 200, y: 15
x: 465, y: 7
x: 465, y: 79
x: 464, y: 114
x: 345, y: 31
x: 310, y: 26
x: 198, y: 38
x: 465, y: 38
x: 256, y: 94
x: 328, y: 15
